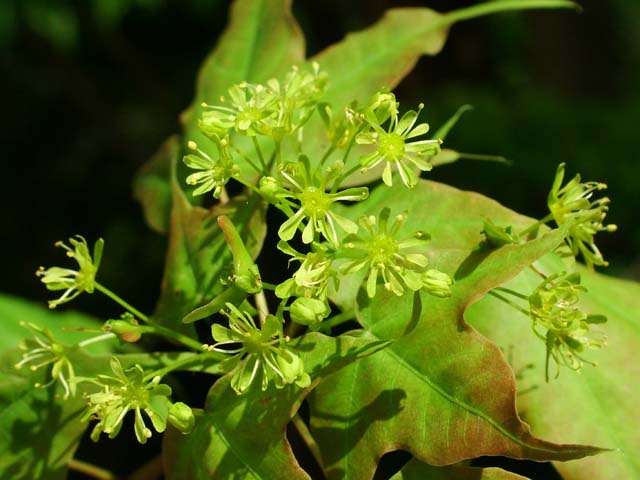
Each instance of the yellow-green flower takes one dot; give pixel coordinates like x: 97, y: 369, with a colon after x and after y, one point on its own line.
x: 561, y: 324
x: 257, y: 350
x: 394, y: 148
x: 395, y: 260
x: 311, y: 280
x: 73, y: 282
x: 308, y: 190
x: 573, y: 204
x: 44, y: 350
x: 129, y: 390
x: 212, y: 174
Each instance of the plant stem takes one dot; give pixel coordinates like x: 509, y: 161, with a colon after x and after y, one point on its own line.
x: 99, y: 338
x: 91, y: 470
x: 263, y: 308
x: 256, y: 145
x: 488, y: 8
x: 327, y: 154
x: 307, y: 438
x: 338, y: 319
x: 538, y: 272
x: 177, y: 336
x: 509, y: 302
x: 250, y: 186
x: 247, y: 159
x: 122, y: 303
x: 343, y: 177
x: 512, y: 292
x: 177, y: 365
x: 535, y: 225
x: 153, y: 327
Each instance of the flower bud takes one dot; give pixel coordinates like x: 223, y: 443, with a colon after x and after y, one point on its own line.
x: 309, y: 311
x: 127, y: 330
x: 292, y: 369
x: 270, y: 187
x: 181, y: 417
x: 499, y: 236
x: 437, y: 283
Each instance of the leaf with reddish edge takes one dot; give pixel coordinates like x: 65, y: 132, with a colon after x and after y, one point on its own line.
x: 198, y: 253
x: 440, y: 391
x: 415, y: 470
x: 261, y: 41
x: 244, y: 436
x: 598, y: 405
x: 152, y: 186
x: 386, y: 52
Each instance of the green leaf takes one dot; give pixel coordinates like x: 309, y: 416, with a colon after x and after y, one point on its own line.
x: 261, y: 41
x: 39, y: 432
x: 383, y: 54
x: 152, y: 185
x: 386, y: 52
x: 600, y: 404
x: 415, y: 470
x: 198, y: 253
x: 244, y: 436
x: 440, y: 391
x: 64, y: 324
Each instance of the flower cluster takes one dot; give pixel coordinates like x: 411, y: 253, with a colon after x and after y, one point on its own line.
x: 275, y: 109
x: 258, y: 350
x: 572, y: 204
x: 44, y: 350
x: 73, y: 282
x: 129, y: 390
x: 395, y: 260
x: 560, y: 323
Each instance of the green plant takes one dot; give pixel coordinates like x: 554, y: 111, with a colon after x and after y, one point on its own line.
x: 370, y: 323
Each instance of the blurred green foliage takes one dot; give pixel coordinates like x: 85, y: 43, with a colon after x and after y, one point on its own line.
x: 91, y: 88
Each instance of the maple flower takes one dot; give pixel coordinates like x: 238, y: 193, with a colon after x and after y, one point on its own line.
x: 257, y: 350
x: 44, y: 350
x: 213, y: 174
x: 394, y: 148
x: 386, y: 256
x: 311, y: 280
x: 73, y: 282
x: 572, y: 204
x: 308, y: 190
x: 129, y: 390
x: 561, y: 324
x: 275, y: 109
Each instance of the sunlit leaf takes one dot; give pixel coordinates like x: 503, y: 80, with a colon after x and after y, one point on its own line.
x: 440, y: 391
x: 599, y: 405
x: 244, y: 436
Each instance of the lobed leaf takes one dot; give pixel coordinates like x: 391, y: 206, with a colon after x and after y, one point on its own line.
x: 198, y: 254
x: 597, y: 405
x: 415, y: 470
x: 39, y: 432
x: 386, y: 52
x: 440, y: 391
x: 244, y: 436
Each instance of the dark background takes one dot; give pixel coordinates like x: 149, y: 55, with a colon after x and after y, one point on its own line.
x: 91, y: 88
